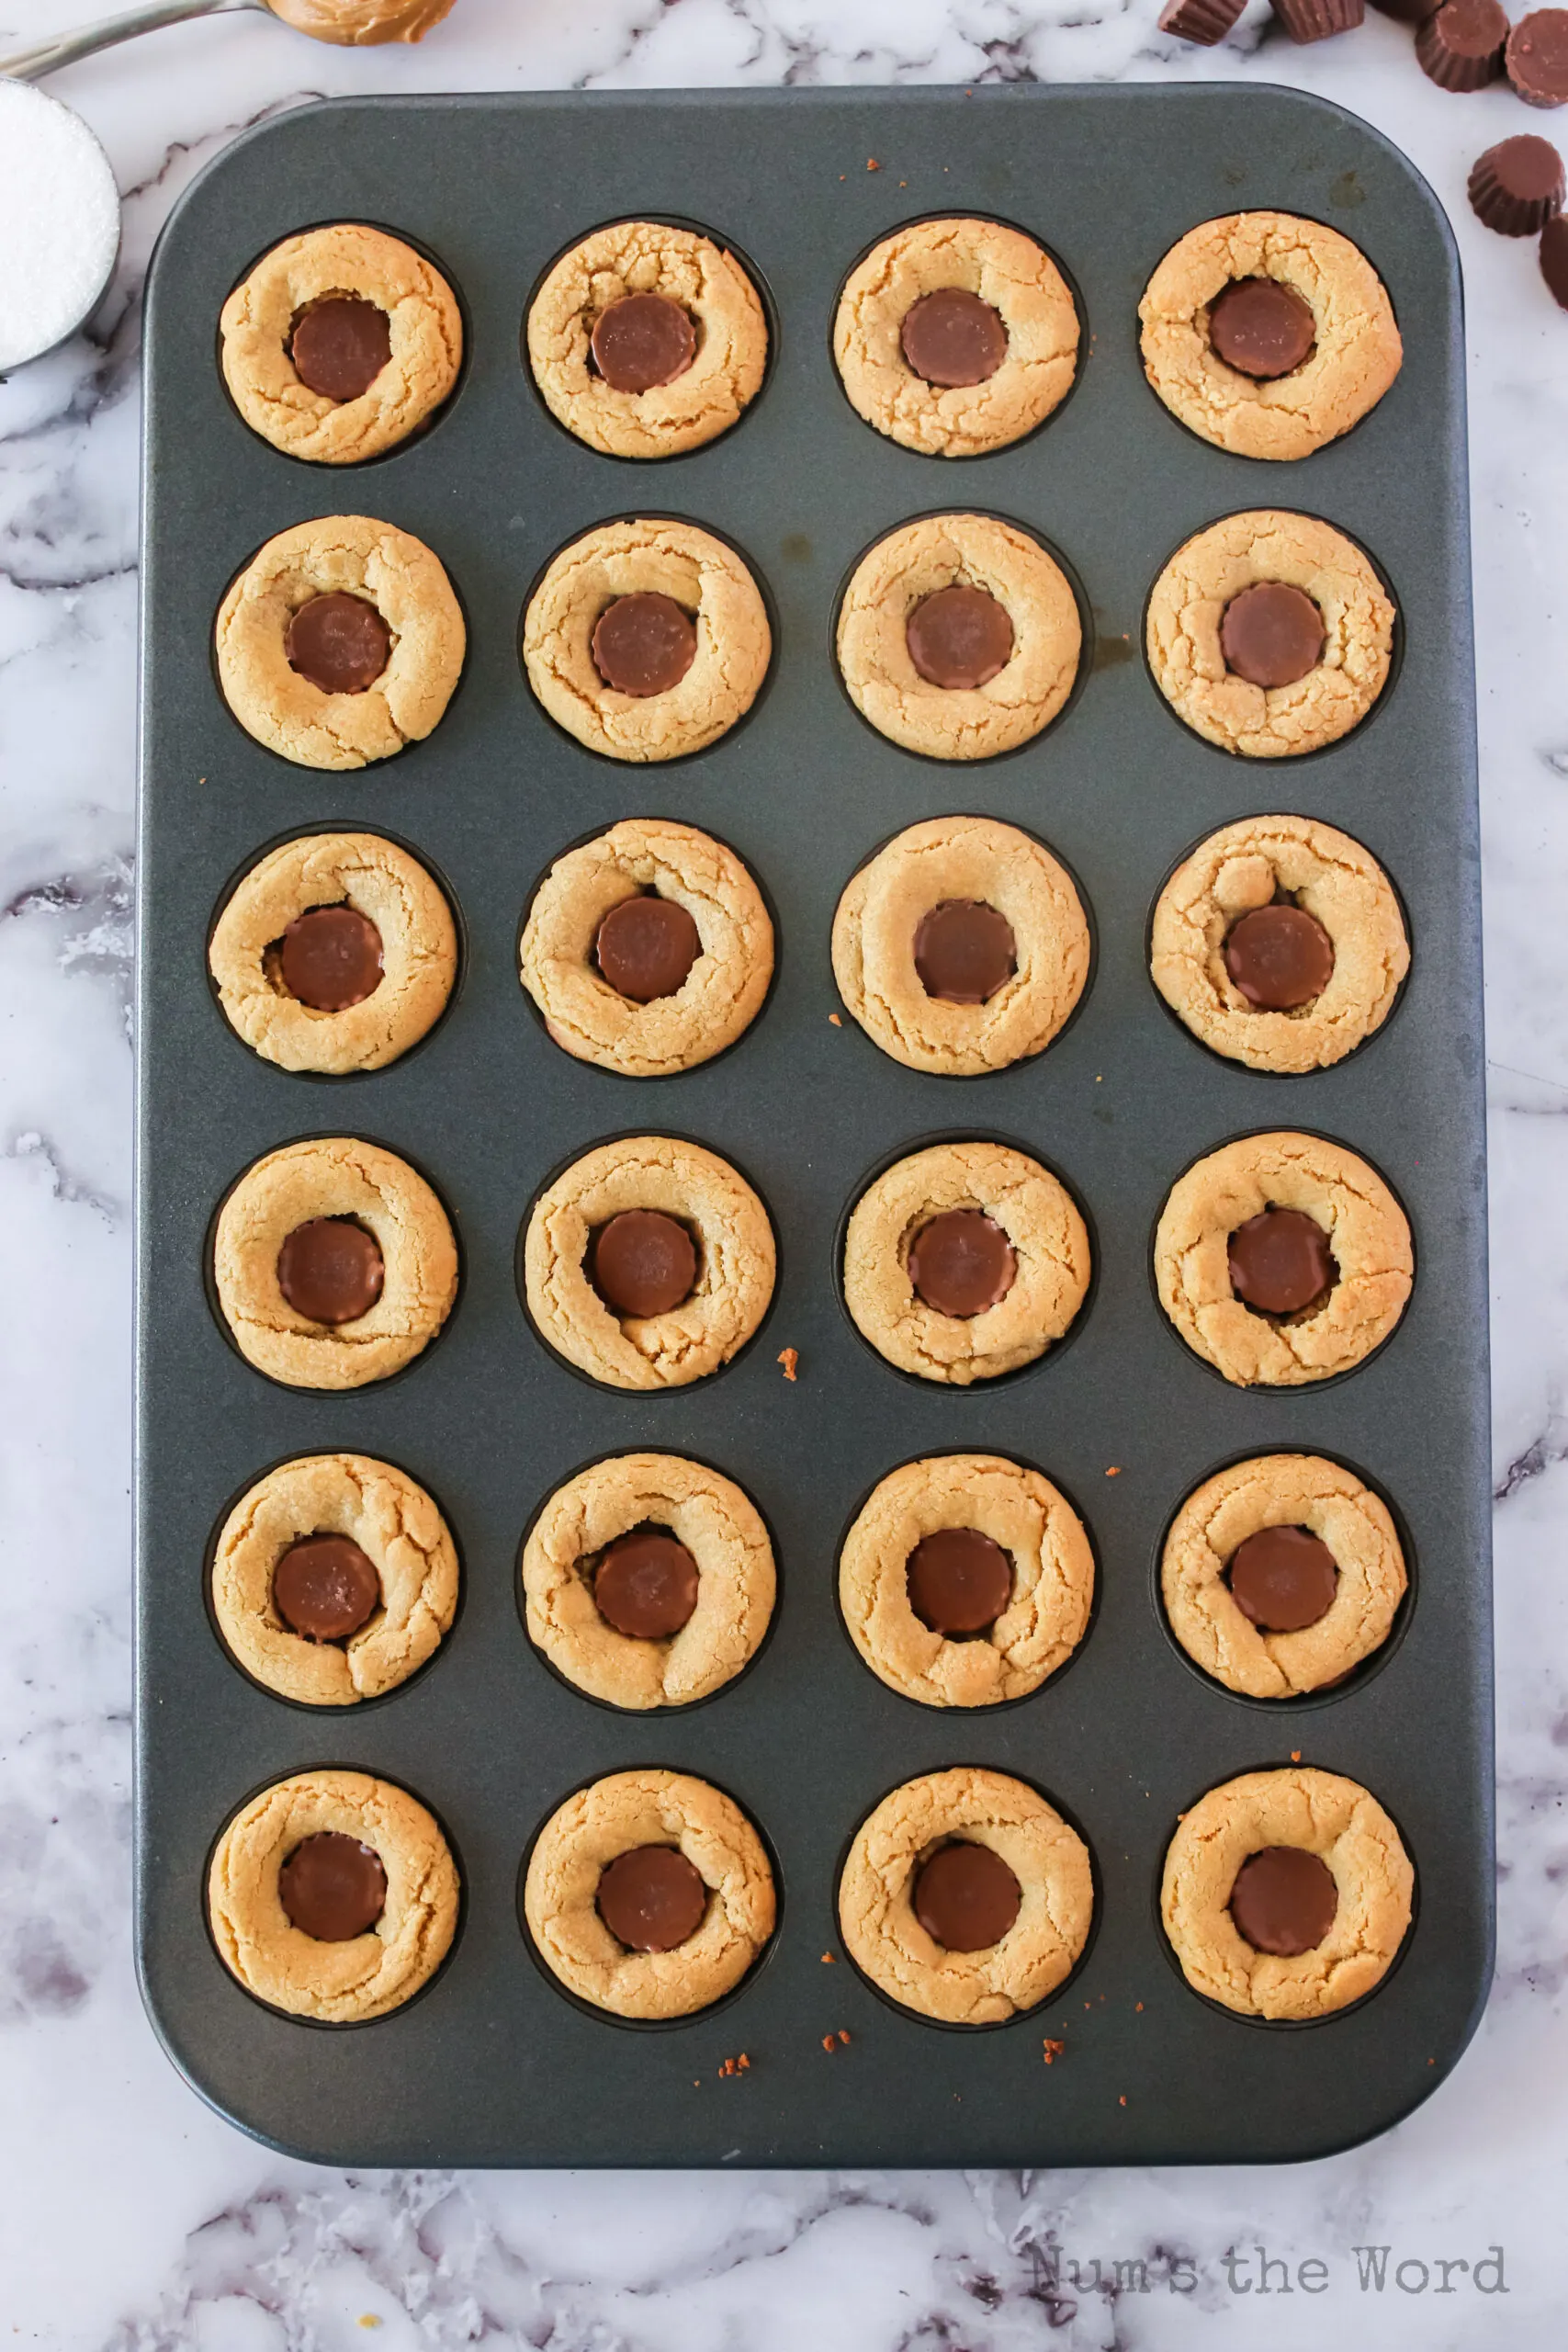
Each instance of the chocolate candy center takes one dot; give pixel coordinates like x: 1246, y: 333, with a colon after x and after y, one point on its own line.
x: 1271, y: 634
x: 1282, y: 1579
x: 331, y: 957
x: 965, y: 1897
x: 642, y: 1262
x: 1284, y: 1901
x: 338, y: 643
x: 964, y: 951
x: 1538, y: 57
x: 962, y: 1262
x: 951, y: 337
x: 959, y: 638
x: 324, y: 1587
x: 340, y: 346
x: 641, y: 341
x: 1280, y: 957
x: 1261, y: 328
x: 646, y: 946
x: 333, y: 1887
x: 651, y: 1899
x: 646, y: 1584
x: 958, y: 1580
x: 330, y: 1270
x: 1280, y: 1262
x: 643, y: 644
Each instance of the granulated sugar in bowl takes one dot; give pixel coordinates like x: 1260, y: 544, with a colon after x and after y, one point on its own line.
x: 59, y: 222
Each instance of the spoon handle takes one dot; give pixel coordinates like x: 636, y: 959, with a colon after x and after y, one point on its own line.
x: 31, y: 64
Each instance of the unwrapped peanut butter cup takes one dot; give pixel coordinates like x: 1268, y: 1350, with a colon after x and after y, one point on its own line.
x: 1461, y: 48
x: 1406, y: 12
x: 1537, y: 57
x: 1516, y: 187
x: 1307, y: 20
x: 1203, y: 22
x: 1554, y: 259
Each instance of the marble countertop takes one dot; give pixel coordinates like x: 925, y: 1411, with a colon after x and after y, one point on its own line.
x: 136, y: 2221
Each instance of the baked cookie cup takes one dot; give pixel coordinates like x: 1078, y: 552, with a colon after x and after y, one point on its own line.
x: 649, y: 949
x: 647, y: 1263
x: 334, y: 1578
x: 959, y: 637
x: 1282, y: 1575
x: 1286, y: 1895
x: 340, y: 343
x: 336, y: 953
x: 962, y: 947
x: 955, y: 336
x: 693, y: 1895
x: 1282, y: 1258
x: 1016, y: 1915
x: 1280, y: 943
x: 649, y: 1580
x: 647, y: 339
x: 1268, y: 335
x: 965, y: 1580
x: 332, y: 1895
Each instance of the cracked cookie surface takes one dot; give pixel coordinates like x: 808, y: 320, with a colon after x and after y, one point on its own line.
x: 1367, y: 1234
x: 918, y: 561
x: 735, y: 1262
x: 1353, y: 361
x: 1250, y: 865
x: 1281, y: 1490
x: 712, y: 588
x: 722, y: 1530
x: 337, y: 1983
x: 424, y: 326
x: 708, y: 284
x: 419, y: 952
x: 398, y: 1527
x: 1325, y: 1814
x: 973, y: 858
x: 651, y: 1808
x: 721, y: 994
x: 1048, y: 1858
x: 1041, y: 1222
x: 1188, y: 606
x: 333, y: 1176
x: 1053, y: 1580
x: 1006, y: 269
x: 349, y: 555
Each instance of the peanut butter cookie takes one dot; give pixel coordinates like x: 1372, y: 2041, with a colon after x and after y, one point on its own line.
x: 646, y: 340
x: 336, y: 953
x: 1280, y: 942
x: 1281, y: 1574
x: 334, y: 1578
x: 1286, y: 1894
x: 965, y: 1896
x: 1267, y: 335
x: 649, y: 1895
x: 340, y: 642
x: 963, y: 1261
x: 649, y: 1580
x: 332, y: 1895
x: 1269, y: 634
x: 961, y: 947
x: 646, y: 640
x: 965, y: 1580
x: 959, y: 637
x: 648, y: 950
x: 339, y: 344
x: 648, y: 1264
x: 335, y: 1264
x: 1282, y: 1258
x: 956, y: 336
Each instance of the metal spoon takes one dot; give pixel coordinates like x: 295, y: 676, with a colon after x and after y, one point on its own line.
x: 31, y: 64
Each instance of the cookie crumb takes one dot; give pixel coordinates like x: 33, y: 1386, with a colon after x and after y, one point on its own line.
x: 829, y: 2044
x: 1052, y: 2050
x: 1122, y: 2100
x: 789, y: 1358
x: 843, y: 2036
x: 1295, y: 1754
x: 1115, y: 1471
x: 740, y: 2066
x: 1139, y: 2007
x: 871, y: 164
x: 827, y: 1960
x: 837, y: 1019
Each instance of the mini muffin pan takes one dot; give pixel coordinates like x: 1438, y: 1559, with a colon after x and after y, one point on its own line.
x: 494, y: 2063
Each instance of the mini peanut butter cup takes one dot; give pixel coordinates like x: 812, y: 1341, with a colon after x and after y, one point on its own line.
x: 1516, y: 187
x: 1537, y: 57
x: 1203, y: 22
x: 1461, y: 47
x: 1554, y: 259
x: 1406, y: 12
x: 1308, y: 20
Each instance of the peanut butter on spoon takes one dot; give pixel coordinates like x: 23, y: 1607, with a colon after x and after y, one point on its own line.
x: 361, y: 24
